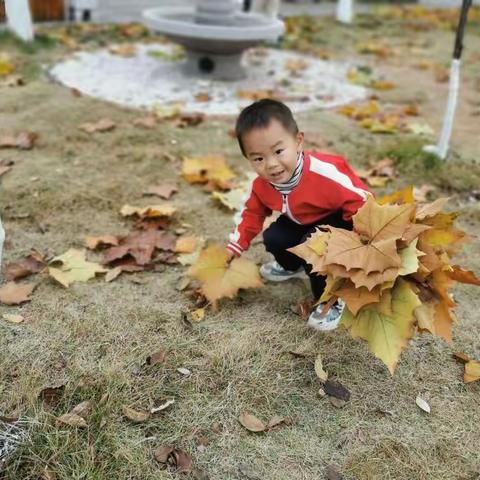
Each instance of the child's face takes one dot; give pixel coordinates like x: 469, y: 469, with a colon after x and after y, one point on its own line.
x: 273, y: 151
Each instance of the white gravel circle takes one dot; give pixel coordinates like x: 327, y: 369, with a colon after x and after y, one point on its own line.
x: 145, y: 80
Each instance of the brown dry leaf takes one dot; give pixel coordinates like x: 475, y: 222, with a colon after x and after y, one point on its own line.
x: 461, y: 357
x: 165, y: 191
x: 222, y: 279
x: 421, y: 193
x: 162, y: 405
x: 156, y: 358
x: 337, y: 390
x: 83, y: 409
x: 136, y: 416
x: 32, y: 263
x: 151, y: 211
x: 187, y: 244
x: 140, y: 245
x: 72, y: 420
x: 22, y: 141
x: 12, y: 318
x: 463, y: 276
x: 105, y: 240
x: 148, y: 122
x: 178, y: 459
x: 189, y: 120
x: 13, y: 293
x: 357, y: 297
x: 251, y: 422
x: 51, y: 395
x: 472, y: 371
x: 102, y: 125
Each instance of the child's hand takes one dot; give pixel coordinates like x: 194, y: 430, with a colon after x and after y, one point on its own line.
x: 230, y: 254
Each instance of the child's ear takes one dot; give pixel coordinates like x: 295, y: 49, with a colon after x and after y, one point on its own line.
x: 300, y: 140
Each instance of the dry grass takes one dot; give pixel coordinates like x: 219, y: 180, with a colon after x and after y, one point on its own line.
x: 95, y: 337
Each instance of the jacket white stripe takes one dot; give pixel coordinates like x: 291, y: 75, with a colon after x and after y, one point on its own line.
x: 330, y: 171
x: 238, y: 217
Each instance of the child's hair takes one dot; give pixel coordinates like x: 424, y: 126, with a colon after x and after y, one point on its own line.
x: 259, y: 115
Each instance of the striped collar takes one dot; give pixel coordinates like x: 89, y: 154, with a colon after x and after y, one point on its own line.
x: 286, y: 187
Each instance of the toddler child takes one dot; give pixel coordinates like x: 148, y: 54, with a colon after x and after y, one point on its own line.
x: 308, y: 188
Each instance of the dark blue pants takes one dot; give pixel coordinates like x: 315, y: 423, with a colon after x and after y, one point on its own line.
x: 284, y: 233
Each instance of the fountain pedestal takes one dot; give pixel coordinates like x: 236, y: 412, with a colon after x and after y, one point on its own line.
x: 215, y: 34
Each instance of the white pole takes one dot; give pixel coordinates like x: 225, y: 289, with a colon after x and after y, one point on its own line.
x: 345, y: 11
x: 441, y: 149
x: 20, y: 18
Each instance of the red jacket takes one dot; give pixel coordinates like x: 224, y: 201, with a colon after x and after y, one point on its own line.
x: 327, y: 184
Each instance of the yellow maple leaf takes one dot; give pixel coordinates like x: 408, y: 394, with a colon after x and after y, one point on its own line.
x: 313, y: 250
x: 402, y: 196
x: 221, y: 279
x: 387, y: 334
x: 6, y: 65
x: 73, y: 267
x: 206, y: 168
x: 472, y: 371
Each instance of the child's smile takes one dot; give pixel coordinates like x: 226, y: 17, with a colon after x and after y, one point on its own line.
x: 273, y: 151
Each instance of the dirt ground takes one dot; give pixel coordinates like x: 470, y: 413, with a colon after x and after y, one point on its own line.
x: 94, y: 337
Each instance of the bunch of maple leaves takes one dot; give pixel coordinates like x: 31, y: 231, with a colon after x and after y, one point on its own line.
x: 393, y: 271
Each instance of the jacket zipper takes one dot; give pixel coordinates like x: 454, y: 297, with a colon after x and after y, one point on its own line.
x: 286, y: 209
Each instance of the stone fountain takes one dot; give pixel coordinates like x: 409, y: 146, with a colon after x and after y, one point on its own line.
x: 214, y: 33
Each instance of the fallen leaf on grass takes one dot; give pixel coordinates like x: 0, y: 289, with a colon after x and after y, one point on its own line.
x: 51, y: 395
x: 198, y: 315
x: 337, y: 390
x: 165, y: 210
x: 83, y: 409
x: 187, y: 244
x: 140, y: 245
x: 73, y: 267
x: 184, y: 371
x: 156, y: 358
x: 72, y: 420
x: 164, y: 112
x: 202, y: 97
x: 94, y: 242
x: 208, y: 168
x: 222, y: 279
x: 6, y: 65
x: 251, y: 422
x: 102, y: 125
x: 32, y: 263
x: 165, y: 191
x: 145, y: 122
x: 15, y: 293
x: 179, y: 460
x: 321, y: 373
x: 189, y: 120
x: 162, y: 405
x: 472, y: 371
x: 422, y: 404
x: 12, y: 318
x: 136, y: 416
x: 22, y: 141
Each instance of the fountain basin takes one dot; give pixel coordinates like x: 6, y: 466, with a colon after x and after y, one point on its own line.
x: 213, y: 49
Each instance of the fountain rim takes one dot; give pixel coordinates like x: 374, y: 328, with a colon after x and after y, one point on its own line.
x: 268, y: 29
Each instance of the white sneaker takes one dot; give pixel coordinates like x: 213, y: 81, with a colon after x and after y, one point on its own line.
x: 274, y: 272
x: 330, y: 320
